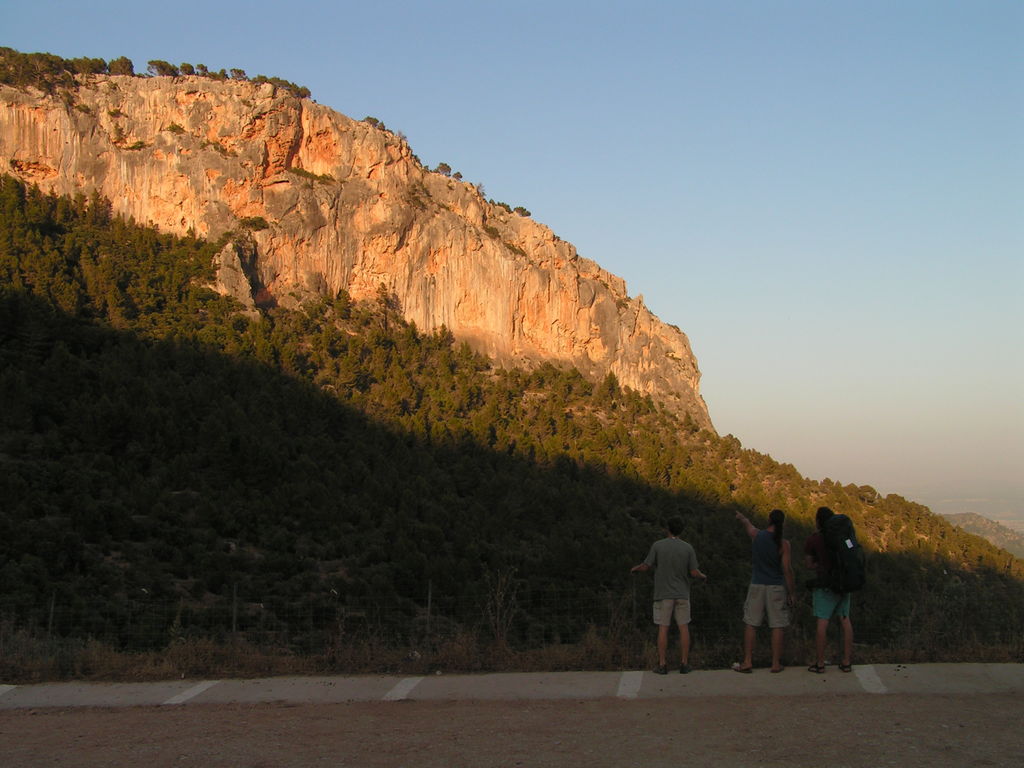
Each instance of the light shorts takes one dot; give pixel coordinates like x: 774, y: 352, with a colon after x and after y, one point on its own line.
x: 766, y: 599
x: 828, y: 604
x: 665, y: 610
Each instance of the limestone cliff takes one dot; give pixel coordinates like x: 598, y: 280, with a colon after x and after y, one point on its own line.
x: 334, y: 203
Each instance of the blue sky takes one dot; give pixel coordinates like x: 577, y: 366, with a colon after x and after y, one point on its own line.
x: 826, y: 196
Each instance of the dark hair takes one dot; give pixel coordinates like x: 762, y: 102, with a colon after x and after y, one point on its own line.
x: 777, y: 518
x: 823, y: 514
x: 675, y: 525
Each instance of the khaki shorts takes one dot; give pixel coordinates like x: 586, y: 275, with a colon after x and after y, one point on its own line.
x: 766, y: 600
x: 665, y: 610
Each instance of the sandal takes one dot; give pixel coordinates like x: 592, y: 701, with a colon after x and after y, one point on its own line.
x: 818, y: 669
x: 743, y: 670
x: 846, y: 667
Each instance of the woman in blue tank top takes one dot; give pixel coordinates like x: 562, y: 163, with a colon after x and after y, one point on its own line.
x: 771, y: 589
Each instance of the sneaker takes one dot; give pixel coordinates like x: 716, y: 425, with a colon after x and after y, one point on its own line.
x: 685, y: 669
x: 662, y: 670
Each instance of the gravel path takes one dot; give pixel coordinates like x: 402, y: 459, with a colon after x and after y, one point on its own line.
x: 724, y: 731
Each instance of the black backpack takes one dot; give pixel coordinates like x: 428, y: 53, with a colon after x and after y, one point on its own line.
x: 847, y: 573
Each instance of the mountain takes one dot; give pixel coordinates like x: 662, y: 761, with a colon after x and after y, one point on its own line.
x: 333, y: 204
x: 185, y: 453
x: 990, y: 530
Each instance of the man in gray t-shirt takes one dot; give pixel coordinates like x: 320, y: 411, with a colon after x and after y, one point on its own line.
x: 674, y: 562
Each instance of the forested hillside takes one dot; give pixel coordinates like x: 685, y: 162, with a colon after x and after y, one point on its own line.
x: 157, y: 444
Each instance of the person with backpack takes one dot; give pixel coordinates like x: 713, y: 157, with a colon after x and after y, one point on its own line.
x: 771, y: 589
x: 827, y: 602
x: 674, y: 562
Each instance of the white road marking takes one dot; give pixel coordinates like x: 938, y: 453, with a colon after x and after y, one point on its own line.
x: 6, y: 689
x: 869, y: 679
x: 402, y: 689
x: 192, y: 692
x: 629, y: 685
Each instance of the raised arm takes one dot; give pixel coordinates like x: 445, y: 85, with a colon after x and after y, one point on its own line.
x: 751, y: 530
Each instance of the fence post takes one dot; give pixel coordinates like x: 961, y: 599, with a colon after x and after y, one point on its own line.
x: 49, y: 623
x: 430, y: 601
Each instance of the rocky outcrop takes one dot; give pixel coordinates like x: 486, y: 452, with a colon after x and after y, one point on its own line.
x: 329, y: 203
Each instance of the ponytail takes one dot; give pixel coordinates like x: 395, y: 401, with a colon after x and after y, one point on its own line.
x: 777, y: 518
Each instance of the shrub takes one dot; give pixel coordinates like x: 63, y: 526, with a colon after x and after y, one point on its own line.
x: 254, y: 223
x: 87, y: 66
x: 513, y: 247
x: 121, y: 66
x: 161, y: 68
x: 298, y: 91
x: 326, y: 177
x: 217, y: 146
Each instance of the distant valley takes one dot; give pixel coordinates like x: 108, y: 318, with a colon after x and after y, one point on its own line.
x: 990, y: 530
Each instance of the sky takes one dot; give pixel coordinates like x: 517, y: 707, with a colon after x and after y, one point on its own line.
x: 826, y: 196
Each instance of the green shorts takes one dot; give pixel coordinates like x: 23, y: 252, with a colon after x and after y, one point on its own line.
x: 828, y: 604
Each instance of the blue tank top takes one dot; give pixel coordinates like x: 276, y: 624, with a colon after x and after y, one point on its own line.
x: 767, y: 560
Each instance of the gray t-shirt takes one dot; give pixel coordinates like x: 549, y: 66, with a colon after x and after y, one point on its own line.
x: 672, y: 560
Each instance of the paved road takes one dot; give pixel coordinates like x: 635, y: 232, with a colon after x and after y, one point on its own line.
x: 876, y: 680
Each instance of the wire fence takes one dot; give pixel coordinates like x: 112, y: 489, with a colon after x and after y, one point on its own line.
x: 501, y: 614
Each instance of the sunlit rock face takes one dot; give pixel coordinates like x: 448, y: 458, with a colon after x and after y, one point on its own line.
x: 332, y: 203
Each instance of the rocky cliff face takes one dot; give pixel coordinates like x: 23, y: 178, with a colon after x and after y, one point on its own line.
x: 333, y: 203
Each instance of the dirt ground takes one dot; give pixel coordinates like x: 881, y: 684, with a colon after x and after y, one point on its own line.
x: 726, y: 732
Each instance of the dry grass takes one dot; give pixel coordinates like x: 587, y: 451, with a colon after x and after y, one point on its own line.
x: 27, y: 658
